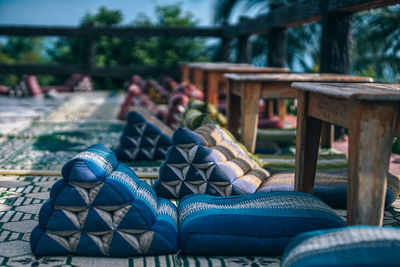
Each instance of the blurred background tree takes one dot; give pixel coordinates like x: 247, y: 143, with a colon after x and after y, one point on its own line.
x: 376, y: 47
x: 20, y: 50
x: 112, y: 51
x: 375, y: 43
x: 303, y: 41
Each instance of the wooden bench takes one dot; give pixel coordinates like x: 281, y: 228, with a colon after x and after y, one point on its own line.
x: 246, y: 90
x: 210, y: 76
x: 371, y: 112
x: 188, y: 69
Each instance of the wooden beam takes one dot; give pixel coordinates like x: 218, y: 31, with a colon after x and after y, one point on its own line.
x: 111, y: 31
x: 335, y: 57
x: 90, y: 50
x: 300, y: 13
x: 244, y: 46
x: 115, y: 71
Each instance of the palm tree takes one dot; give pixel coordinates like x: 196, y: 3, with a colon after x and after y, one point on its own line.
x: 376, y: 50
x: 376, y: 46
x: 303, y: 41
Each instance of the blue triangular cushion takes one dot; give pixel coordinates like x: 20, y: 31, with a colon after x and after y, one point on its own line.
x: 134, y: 117
x: 91, y: 211
x: 43, y: 245
x: 55, y: 220
x: 151, y: 129
x: 136, y: 219
x: 185, y: 136
x: 68, y: 196
x: 113, y: 193
x: 120, y: 247
x: 95, y: 222
x: 87, y: 247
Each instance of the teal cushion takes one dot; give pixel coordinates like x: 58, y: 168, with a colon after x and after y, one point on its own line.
x: 254, y: 224
x: 351, y: 246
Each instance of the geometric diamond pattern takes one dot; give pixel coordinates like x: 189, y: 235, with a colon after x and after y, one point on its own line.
x: 142, y: 140
x: 205, y: 161
x: 117, y: 216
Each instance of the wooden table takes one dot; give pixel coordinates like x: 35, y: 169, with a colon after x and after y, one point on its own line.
x: 187, y: 69
x: 371, y: 112
x: 245, y: 92
x: 209, y: 77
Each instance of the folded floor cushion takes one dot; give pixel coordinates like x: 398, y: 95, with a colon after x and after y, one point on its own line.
x: 254, y: 224
x: 331, y: 187
x: 286, y: 163
x: 282, y: 137
x: 142, y: 139
x: 206, y: 161
x: 199, y: 113
x: 350, y: 246
x: 101, y: 208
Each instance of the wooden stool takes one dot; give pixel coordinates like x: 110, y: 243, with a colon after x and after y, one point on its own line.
x: 371, y: 113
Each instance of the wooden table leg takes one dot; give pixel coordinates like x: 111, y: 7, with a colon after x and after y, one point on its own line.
x: 327, y: 135
x: 251, y: 93
x: 185, y: 74
x: 371, y: 130
x: 198, y: 78
x: 269, y: 108
x: 307, y: 143
x: 212, y: 88
x: 232, y: 109
x: 281, y: 104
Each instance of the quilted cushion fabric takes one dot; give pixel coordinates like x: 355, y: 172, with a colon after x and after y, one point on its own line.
x: 350, y: 246
x: 157, y: 93
x: 199, y: 113
x: 255, y: 224
x: 327, y: 161
x: 142, y: 140
x: 101, y: 208
x: 206, y: 161
x: 329, y: 187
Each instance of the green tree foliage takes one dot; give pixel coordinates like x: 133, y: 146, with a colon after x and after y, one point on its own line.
x: 156, y: 51
x: 159, y: 51
x: 376, y: 44
x: 303, y: 41
x: 20, y: 50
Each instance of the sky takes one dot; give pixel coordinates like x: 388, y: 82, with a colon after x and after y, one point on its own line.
x: 69, y: 12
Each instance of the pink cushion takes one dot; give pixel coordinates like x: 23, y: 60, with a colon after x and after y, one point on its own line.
x: 33, y: 85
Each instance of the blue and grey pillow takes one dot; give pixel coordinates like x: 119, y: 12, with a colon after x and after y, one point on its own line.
x: 350, y: 246
x: 331, y: 187
x: 142, y: 140
x: 206, y: 161
x: 254, y: 224
x: 101, y: 208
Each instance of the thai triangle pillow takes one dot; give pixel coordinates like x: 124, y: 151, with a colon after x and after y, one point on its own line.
x: 207, y: 162
x: 101, y: 208
x: 254, y: 224
x: 142, y: 140
x: 350, y: 246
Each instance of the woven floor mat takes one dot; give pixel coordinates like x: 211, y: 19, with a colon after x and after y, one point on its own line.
x: 20, y: 200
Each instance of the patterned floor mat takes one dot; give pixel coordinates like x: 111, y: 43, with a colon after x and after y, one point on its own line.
x: 22, y: 196
x: 88, y: 106
x: 20, y: 200
x: 47, y: 145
